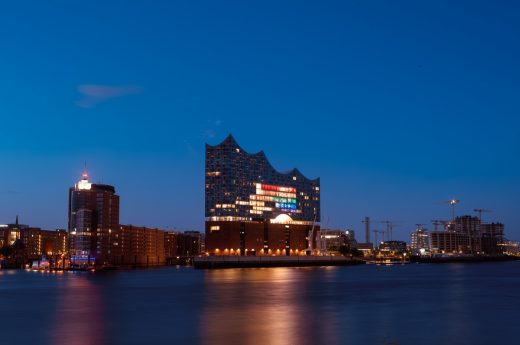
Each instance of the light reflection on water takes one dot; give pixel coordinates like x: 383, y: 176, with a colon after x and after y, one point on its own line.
x: 259, y: 306
x: 78, y: 316
x: 411, y: 304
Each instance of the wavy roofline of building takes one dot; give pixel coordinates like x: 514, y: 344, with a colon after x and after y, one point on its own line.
x: 261, y: 154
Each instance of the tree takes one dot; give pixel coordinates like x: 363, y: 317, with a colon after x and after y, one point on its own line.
x: 6, y: 251
x: 347, y: 251
x: 19, y: 252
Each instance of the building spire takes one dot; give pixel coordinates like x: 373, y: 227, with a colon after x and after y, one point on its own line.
x: 16, y: 223
x: 83, y: 183
x: 84, y: 175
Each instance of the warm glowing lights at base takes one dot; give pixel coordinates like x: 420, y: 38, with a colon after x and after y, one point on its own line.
x: 261, y: 252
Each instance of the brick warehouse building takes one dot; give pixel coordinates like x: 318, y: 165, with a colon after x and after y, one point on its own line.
x: 252, y: 209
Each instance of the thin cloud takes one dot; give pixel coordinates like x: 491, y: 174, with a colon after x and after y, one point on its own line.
x: 190, y: 148
x: 211, y: 133
x: 95, y: 94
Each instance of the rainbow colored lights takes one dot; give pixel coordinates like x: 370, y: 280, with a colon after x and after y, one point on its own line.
x: 275, y: 188
x: 281, y: 197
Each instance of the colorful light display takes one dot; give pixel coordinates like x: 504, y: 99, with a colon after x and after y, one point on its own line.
x: 275, y: 188
x: 242, y: 186
x: 283, y: 198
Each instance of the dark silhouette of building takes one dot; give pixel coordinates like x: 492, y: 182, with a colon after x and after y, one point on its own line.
x: 178, y: 244
x: 253, y: 209
x: 493, y: 230
x: 492, y: 236
x: 192, y: 242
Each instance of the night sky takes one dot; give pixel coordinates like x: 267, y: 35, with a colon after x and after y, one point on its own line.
x: 396, y: 105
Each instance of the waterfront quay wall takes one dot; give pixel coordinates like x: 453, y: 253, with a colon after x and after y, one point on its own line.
x: 463, y: 259
x: 272, y: 261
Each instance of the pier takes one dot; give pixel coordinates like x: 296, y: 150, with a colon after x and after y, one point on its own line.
x: 208, y: 262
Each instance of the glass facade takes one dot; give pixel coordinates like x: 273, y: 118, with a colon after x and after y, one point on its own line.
x: 245, y: 187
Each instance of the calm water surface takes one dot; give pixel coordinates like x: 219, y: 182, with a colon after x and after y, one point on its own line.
x: 410, y: 304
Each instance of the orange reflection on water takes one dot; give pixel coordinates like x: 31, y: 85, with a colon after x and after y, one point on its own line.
x: 255, y: 307
x: 78, y: 315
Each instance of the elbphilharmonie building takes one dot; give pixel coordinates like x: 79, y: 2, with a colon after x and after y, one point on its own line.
x: 253, y: 209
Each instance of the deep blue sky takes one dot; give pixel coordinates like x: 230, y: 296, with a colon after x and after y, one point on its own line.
x: 396, y: 105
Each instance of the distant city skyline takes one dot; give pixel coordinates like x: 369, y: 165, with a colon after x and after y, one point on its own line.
x: 393, y: 120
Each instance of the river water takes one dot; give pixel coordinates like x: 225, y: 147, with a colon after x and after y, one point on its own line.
x: 401, y: 304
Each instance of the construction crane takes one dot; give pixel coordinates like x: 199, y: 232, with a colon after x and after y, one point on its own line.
x: 366, y: 221
x: 436, y: 224
x: 310, y: 239
x: 389, y: 227
x: 382, y: 232
x: 452, y: 202
x: 420, y: 226
x: 480, y: 211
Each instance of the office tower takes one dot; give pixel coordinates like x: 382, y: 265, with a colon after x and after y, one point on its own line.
x: 93, y: 216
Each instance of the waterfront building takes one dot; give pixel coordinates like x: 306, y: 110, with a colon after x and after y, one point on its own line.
x: 136, y: 246
x: 252, y: 209
x: 492, y: 236
x: 93, y: 217
x: 468, y: 235
x: 32, y: 243
x: 471, y: 227
x: 493, y: 230
x: 39, y: 243
x: 192, y: 242
x: 55, y: 242
x: 449, y: 242
x: 489, y: 245
x: 482, y: 237
x: 366, y: 248
x: 178, y: 244
x: 170, y: 245
x: 33, y: 240
x: 509, y: 247
x: 9, y: 233
x: 328, y: 241
x: 393, y: 247
x: 420, y: 242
